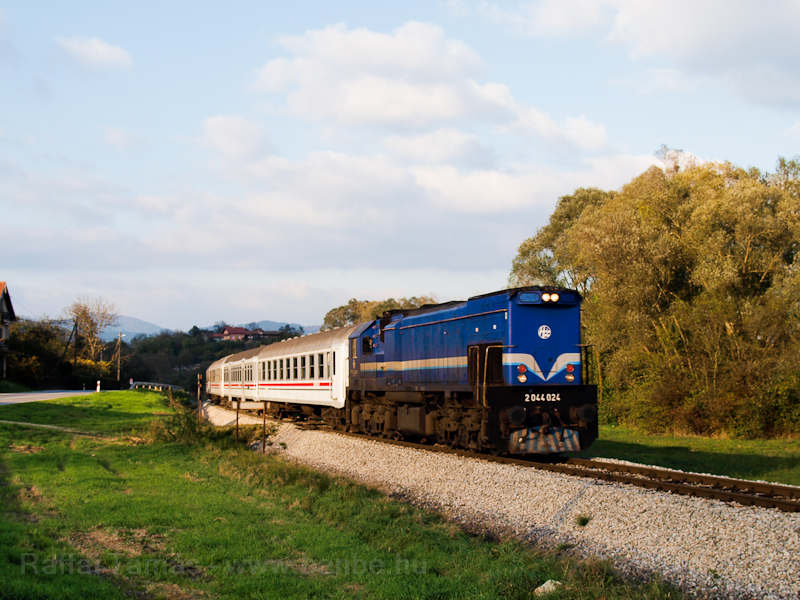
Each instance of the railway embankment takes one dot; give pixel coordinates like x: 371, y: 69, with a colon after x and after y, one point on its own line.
x: 152, y: 506
x: 708, y: 548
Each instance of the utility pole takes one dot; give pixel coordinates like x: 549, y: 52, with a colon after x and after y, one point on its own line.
x: 199, y: 399
x: 119, y: 351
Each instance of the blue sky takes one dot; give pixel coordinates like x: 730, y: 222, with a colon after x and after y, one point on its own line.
x: 201, y: 161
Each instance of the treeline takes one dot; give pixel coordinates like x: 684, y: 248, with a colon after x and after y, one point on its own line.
x: 692, y: 294
x: 361, y: 311
x: 51, y: 354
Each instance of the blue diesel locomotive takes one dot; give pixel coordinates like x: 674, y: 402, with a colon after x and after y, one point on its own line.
x: 503, y: 372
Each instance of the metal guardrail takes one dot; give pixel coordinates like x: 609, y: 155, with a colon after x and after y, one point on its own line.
x: 160, y: 387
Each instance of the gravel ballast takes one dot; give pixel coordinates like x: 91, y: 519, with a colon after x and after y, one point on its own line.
x: 706, y: 547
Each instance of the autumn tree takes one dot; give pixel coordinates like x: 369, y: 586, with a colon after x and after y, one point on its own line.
x: 692, y: 293
x: 92, y: 317
x: 361, y: 311
x: 544, y: 259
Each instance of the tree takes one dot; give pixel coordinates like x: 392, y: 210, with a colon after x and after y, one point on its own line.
x: 288, y: 332
x: 543, y: 259
x: 92, y: 316
x: 361, y: 311
x: 37, y: 352
x: 692, y: 293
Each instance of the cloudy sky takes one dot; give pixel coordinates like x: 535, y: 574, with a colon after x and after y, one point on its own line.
x: 203, y: 161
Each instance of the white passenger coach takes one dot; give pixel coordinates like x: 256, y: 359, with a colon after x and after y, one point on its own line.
x: 309, y: 370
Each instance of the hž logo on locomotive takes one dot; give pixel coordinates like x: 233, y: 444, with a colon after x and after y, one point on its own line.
x: 504, y: 372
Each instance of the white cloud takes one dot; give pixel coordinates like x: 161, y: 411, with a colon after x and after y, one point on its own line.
x: 415, y: 50
x: 793, y: 132
x: 746, y: 46
x: 715, y: 33
x: 414, y: 78
x: 522, y: 188
x: 546, y: 17
x: 765, y: 84
x: 95, y: 54
x: 673, y: 81
x: 576, y: 132
x: 439, y: 146
x: 235, y: 137
x: 121, y: 139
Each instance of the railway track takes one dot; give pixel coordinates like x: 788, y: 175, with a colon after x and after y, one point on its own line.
x: 749, y: 493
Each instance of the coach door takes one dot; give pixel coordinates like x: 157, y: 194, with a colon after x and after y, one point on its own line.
x: 335, y: 374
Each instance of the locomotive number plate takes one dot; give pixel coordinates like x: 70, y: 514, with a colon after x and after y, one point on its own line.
x: 542, y: 397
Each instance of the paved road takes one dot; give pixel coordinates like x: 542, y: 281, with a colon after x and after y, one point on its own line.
x: 36, y: 396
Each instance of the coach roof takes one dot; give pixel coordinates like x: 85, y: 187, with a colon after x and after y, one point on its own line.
x: 309, y: 343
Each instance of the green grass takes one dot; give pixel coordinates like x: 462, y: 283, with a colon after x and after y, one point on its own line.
x: 109, y: 518
x: 776, y: 460
x: 106, y: 413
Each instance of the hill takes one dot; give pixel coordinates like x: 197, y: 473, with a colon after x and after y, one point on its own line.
x: 130, y: 328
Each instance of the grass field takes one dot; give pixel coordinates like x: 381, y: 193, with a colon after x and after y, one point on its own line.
x: 124, y: 515
x: 776, y: 460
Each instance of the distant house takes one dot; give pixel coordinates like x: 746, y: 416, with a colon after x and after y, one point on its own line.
x: 7, y: 317
x: 240, y: 333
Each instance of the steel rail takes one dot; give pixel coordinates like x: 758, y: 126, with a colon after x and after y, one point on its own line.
x: 747, y: 493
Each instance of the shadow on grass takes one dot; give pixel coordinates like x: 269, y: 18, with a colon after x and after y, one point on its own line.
x: 15, y: 519
x: 742, y: 464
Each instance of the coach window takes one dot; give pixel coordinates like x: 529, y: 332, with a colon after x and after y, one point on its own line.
x: 311, y: 366
x: 294, y: 368
x: 327, y: 365
x: 302, y: 367
x: 274, y: 370
x: 320, y: 372
x: 281, y: 371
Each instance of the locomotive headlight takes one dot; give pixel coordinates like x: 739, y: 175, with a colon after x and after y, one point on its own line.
x: 569, y: 377
x: 546, y: 297
x: 554, y: 297
x: 522, y: 378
